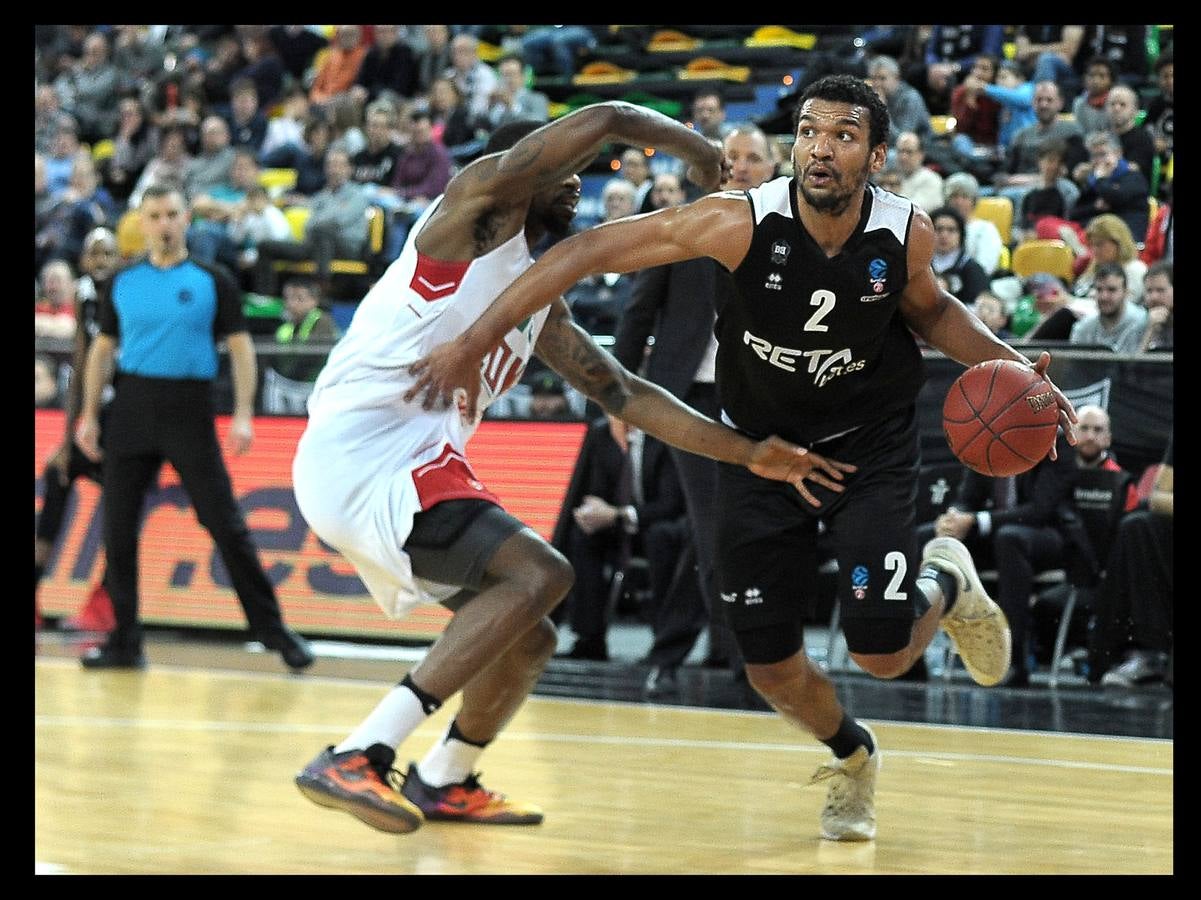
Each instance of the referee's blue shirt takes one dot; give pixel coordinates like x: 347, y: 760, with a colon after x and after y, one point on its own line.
x: 168, y: 321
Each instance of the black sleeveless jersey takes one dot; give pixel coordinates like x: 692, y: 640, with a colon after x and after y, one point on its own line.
x: 811, y: 347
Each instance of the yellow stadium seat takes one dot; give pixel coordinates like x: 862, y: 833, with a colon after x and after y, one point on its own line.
x: 489, y: 53
x: 942, y: 125
x: 130, y: 240
x: 1003, y: 261
x: 779, y: 36
x: 704, y: 68
x: 669, y: 40
x: 999, y: 211
x: 297, y: 217
x: 103, y: 150
x: 277, y: 181
x: 1052, y: 257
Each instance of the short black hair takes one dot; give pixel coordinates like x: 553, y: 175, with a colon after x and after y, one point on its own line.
x: 950, y: 212
x: 1105, y: 270
x: 305, y: 283
x: 1107, y: 63
x: 1165, y: 59
x: 1160, y: 267
x: 856, y: 91
x: 510, y: 133
x: 156, y: 191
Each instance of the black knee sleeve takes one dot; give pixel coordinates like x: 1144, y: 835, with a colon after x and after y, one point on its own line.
x: 770, y: 644
x: 871, y: 636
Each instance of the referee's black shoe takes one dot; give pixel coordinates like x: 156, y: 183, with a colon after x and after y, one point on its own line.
x: 110, y: 657
x: 292, y: 647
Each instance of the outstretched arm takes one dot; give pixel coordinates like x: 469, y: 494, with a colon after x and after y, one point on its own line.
x: 566, y: 146
x: 718, y: 226
x: 571, y: 352
x: 947, y: 325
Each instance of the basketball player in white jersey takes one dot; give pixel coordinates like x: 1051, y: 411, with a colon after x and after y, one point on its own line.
x: 832, y: 279
x: 388, y: 484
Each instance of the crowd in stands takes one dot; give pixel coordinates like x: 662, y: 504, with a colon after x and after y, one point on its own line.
x: 1043, y: 154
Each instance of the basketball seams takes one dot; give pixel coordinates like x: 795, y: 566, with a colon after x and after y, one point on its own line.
x: 1003, y: 451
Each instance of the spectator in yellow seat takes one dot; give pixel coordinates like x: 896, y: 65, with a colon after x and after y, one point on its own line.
x: 982, y: 242
x: 336, y: 228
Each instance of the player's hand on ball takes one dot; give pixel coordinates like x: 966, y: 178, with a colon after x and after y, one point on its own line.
x: 1067, y: 412
x: 779, y: 460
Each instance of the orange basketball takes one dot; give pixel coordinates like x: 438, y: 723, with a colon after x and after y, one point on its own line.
x: 1000, y: 418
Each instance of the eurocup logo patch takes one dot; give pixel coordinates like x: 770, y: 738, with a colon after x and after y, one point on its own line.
x: 779, y: 252
x: 859, y: 577
x: 877, y: 274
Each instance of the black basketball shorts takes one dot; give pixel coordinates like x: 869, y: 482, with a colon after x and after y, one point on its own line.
x: 766, y: 539
x: 453, y: 541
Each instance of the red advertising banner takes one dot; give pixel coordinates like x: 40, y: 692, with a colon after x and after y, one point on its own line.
x: 183, y: 581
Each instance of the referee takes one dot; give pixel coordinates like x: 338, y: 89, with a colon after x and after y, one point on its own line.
x: 168, y: 312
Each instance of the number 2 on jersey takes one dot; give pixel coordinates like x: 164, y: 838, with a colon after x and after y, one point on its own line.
x: 825, y: 300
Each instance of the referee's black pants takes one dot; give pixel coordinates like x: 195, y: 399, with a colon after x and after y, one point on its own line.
x: 157, y: 419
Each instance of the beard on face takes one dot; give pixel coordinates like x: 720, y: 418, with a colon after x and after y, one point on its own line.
x: 836, y: 202
x: 556, y: 220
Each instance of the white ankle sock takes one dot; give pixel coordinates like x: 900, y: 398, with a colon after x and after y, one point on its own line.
x: 394, y: 719
x: 448, y: 762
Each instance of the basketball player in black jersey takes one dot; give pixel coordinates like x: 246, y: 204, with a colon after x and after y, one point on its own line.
x: 833, y: 279
x: 98, y: 261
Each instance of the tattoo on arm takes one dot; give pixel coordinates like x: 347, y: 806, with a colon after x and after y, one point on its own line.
x: 540, y: 166
x: 522, y: 157
x: 571, y: 352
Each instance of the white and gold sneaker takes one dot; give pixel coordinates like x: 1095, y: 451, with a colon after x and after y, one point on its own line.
x: 977, y: 626
x: 850, y: 810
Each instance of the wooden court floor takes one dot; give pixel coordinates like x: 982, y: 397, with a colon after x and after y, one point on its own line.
x: 184, y: 769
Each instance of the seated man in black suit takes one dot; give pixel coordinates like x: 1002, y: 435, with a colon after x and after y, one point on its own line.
x: 618, y: 504
x: 1014, y: 525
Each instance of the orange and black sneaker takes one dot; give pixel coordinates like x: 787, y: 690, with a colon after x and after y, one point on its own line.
x: 467, y: 801
x: 362, y: 783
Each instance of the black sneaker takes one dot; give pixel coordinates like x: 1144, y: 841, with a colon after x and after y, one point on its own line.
x: 362, y: 783
x: 108, y: 657
x: 662, y: 681
x: 292, y: 647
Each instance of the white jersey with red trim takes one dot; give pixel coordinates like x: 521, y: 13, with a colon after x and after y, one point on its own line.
x: 368, y: 461
x: 418, y: 304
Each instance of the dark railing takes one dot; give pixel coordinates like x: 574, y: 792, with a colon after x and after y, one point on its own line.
x: 1137, y: 390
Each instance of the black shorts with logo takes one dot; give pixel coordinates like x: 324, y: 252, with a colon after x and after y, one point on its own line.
x: 766, y: 538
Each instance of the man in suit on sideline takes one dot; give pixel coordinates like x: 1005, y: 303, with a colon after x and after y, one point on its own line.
x: 664, y: 305
x: 620, y: 502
